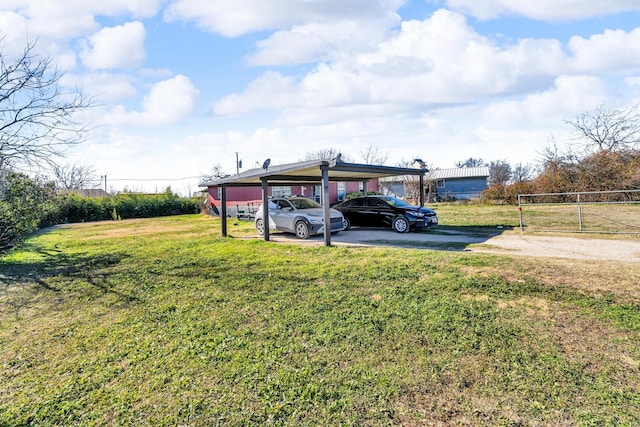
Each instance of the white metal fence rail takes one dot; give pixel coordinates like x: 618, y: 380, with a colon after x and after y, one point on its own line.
x: 590, y: 211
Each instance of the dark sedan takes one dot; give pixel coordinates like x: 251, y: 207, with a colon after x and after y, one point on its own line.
x: 386, y: 211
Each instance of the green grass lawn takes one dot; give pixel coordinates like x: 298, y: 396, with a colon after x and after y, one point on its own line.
x: 477, y: 215
x: 162, y: 322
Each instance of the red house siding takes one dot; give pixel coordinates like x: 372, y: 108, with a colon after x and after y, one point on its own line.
x: 244, y: 195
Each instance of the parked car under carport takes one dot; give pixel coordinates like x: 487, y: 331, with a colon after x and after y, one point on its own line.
x: 386, y: 211
x: 298, y: 215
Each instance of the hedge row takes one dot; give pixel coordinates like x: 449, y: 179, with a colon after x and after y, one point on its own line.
x: 71, y: 208
x: 27, y: 204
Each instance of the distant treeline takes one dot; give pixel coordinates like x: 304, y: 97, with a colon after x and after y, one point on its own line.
x: 602, y: 171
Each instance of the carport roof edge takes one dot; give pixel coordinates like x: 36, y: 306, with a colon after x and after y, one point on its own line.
x: 311, y: 171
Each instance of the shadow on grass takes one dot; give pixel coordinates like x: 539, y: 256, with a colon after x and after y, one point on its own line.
x: 90, y: 269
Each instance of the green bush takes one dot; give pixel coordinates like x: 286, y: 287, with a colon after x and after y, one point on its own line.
x: 72, y: 208
x: 359, y: 194
x: 27, y: 204
x: 23, y: 202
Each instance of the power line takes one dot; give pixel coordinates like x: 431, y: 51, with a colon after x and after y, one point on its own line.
x: 153, y: 179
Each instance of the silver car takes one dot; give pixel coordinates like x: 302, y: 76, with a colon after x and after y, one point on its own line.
x: 298, y: 215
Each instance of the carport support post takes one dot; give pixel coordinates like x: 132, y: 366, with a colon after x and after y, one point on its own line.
x: 223, y: 210
x: 325, y: 205
x: 265, y: 207
x: 364, y: 187
x: 421, y: 189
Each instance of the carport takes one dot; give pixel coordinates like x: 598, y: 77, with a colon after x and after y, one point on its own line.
x: 312, y: 172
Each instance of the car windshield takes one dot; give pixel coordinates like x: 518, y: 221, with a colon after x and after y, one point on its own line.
x: 304, y: 203
x: 395, y: 202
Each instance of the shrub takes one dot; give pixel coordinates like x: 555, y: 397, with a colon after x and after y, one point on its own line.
x: 359, y: 194
x: 23, y: 203
x: 72, y: 208
x: 507, y: 193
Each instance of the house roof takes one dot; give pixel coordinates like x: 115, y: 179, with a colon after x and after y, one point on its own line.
x: 310, y: 172
x: 478, y: 172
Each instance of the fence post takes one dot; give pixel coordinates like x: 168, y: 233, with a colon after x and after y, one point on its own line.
x: 520, y: 213
x: 579, y: 213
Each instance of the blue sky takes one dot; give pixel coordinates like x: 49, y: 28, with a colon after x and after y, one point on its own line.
x: 182, y: 85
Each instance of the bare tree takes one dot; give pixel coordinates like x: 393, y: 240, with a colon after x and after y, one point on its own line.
x: 326, y: 154
x: 608, y: 130
x: 372, y: 155
x: 522, y: 172
x: 499, y: 172
x: 36, y: 113
x: 471, y: 162
x: 410, y: 183
x: 215, y: 174
x: 75, y: 176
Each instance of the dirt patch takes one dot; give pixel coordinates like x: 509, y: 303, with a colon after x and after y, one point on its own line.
x: 507, y: 243
x: 562, y: 247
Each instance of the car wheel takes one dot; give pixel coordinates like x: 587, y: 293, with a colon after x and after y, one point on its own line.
x: 302, y: 230
x: 400, y: 224
x: 347, y: 223
x: 260, y: 227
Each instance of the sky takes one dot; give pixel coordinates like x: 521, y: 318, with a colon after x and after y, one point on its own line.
x: 182, y: 86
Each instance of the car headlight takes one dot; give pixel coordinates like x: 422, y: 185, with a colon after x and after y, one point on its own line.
x: 315, y: 220
x: 418, y: 214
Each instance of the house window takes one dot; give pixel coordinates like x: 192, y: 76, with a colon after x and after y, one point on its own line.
x: 219, y: 193
x: 440, y: 183
x: 280, y: 191
x: 342, y: 190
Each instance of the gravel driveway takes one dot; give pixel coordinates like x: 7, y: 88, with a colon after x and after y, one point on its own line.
x: 511, y: 242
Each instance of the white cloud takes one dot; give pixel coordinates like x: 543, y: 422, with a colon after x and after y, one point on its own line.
x: 321, y: 41
x: 116, y: 47
x: 270, y: 91
x: 237, y: 17
x: 548, y: 10
x: 612, y: 51
x: 518, y: 130
x: 104, y: 87
x: 545, y: 109
x: 13, y: 33
x: 168, y: 102
x: 71, y: 18
x: 633, y: 81
x: 440, y: 60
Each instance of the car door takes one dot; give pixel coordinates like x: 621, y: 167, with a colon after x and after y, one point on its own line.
x: 283, y: 215
x: 353, y: 211
x: 379, y: 212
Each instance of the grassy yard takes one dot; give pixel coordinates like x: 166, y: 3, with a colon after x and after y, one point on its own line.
x: 476, y: 215
x: 162, y: 322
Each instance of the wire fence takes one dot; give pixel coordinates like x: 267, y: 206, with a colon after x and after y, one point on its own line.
x: 582, y: 212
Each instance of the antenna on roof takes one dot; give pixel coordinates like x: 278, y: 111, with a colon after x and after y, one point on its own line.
x: 337, y: 159
x: 266, y: 163
x: 422, y: 164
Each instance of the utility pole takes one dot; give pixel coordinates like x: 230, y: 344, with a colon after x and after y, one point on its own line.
x: 238, y: 164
